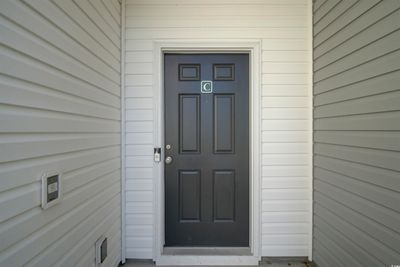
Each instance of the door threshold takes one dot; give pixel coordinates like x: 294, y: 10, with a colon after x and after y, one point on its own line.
x: 207, y: 251
x: 207, y: 256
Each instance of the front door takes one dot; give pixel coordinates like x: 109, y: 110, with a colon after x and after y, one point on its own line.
x: 206, y: 149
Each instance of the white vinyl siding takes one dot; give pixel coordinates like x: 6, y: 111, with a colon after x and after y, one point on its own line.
x: 357, y: 133
x: 282, y: 27
x: 59, y: 111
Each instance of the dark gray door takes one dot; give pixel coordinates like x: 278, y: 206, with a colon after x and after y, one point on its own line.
x: 207, y: 139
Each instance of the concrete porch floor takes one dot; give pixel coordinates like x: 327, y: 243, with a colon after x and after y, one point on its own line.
x: 265, y: 263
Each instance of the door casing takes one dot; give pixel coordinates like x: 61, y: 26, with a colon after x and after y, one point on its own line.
x: 253, y: 48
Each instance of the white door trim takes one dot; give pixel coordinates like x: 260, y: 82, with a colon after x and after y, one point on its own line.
x: 123, y: 134
x: 310, y: 129
x: 253, y: 47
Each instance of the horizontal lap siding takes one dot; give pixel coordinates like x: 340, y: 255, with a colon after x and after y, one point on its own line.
x: 59, y: 110
x: 282, y: 27
x: 357, y: 134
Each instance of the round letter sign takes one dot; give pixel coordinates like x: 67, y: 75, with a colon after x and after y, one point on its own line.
x: 206, y: 87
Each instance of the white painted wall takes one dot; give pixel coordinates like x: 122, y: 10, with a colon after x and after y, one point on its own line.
x: 59, y: 110
x: 282, y: 27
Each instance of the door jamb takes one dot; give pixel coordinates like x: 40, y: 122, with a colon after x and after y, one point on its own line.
x: 253, y: 48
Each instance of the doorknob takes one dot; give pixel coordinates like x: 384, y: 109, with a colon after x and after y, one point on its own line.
x: 168, y: 160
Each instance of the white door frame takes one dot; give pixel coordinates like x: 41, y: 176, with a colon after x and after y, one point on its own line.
x: 253, y: 48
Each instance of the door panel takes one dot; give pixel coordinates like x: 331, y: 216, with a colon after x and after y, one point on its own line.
x: 189, y: 195
x: 207, y: 181
x: 224, y: 123
x: 224, y: 195
x: 189, y: 123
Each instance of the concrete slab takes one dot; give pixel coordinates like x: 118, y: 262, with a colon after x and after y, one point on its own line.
x: 146, y: 263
